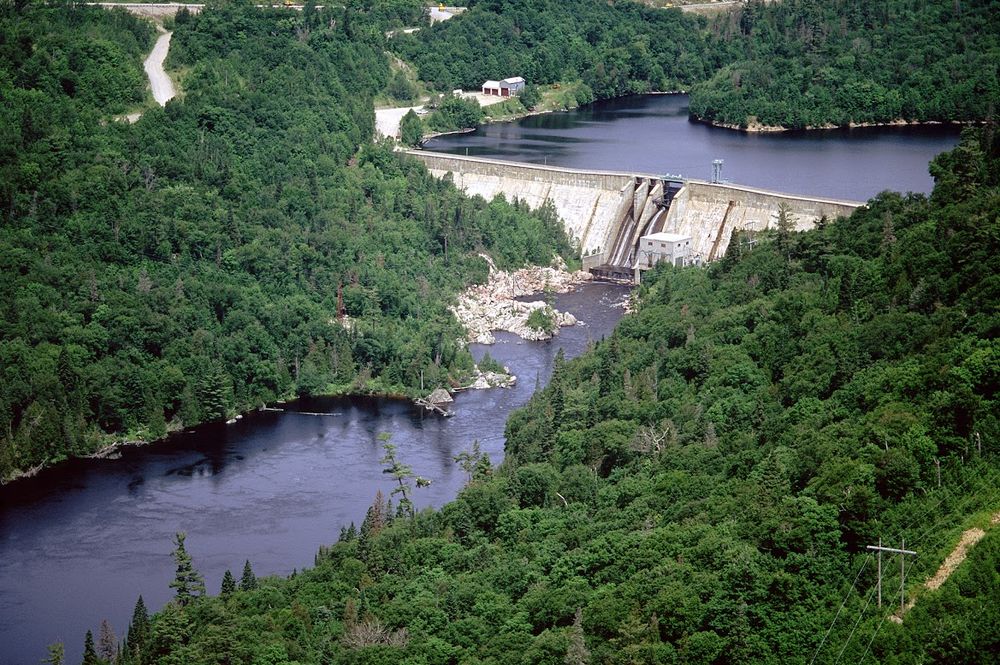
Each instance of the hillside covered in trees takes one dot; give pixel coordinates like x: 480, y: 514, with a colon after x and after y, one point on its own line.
x: 794, y: 63
x: 195, y: 264
x: 806, y: 63
x: 701, y: 485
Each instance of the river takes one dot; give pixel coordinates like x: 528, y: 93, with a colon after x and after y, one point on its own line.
x: 652, y: 134
x: 80, y: 542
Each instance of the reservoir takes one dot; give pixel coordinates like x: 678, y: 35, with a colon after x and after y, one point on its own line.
x: 79, y: 543
x: 652, y: 134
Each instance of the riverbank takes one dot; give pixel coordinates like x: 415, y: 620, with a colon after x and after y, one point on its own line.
x: 554, y: 98
x: 111, y: 446
x: 758, y: 128
x: 271, y: 488
x: 527, y: 281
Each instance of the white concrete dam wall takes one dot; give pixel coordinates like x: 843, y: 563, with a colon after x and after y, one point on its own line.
x: 588, y: 203
x: 606, y: 212
x: 703, y: 211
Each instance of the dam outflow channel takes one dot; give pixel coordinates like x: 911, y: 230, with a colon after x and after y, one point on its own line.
x: 80, y: 542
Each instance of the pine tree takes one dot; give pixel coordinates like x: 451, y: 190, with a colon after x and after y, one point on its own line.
x: 57, y: 653
x: 411, y: 129
x: 785, y: 225
x: 248, y: 582
x: 348, y: 533
x: 484, y: 468
x: 577, y: 653
x: 89, y: 654
x: 138, y: 630
x: 107, y: 643
x: 558, y: 394
x: 375, y: 520
x: 228, y: 583
x: 468, y: 459
x: 212, y: 389
x: 401, y: 472
x: 188, y: 582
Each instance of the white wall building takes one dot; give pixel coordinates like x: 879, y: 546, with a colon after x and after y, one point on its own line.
x: 671, y: 247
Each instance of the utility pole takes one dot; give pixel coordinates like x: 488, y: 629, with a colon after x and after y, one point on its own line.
x: 902, y: 570
x: 879, y: 558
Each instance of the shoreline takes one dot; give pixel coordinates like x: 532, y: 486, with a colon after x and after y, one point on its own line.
x: 469, y: 130
x: 112, y: 450
x: 757, y: 128
x: 521, y: 283
x: 752, y: 128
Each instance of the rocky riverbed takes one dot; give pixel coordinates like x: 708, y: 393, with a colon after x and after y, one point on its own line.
x: 485, y: 308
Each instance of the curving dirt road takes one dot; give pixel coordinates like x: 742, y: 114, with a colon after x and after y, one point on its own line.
x: 163, y: 87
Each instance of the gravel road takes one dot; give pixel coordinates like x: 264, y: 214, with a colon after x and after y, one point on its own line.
x: 163, y: 87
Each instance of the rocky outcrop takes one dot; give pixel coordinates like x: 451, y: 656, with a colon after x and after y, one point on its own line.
x: 440, y: 396
x: 486, y: 380
x: 486, y: 308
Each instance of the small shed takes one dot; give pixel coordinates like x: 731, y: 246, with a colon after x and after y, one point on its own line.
x: 491, y: 88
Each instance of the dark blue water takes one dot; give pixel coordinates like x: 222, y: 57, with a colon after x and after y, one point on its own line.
x: 652, y: 134
x: 79, y: 543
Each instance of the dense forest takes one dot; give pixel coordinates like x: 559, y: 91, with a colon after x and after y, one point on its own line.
x: 800, y: 63
x: 243, y: 244
x: 794, y: 63
x: 616, y: 48
x: 700, y: 486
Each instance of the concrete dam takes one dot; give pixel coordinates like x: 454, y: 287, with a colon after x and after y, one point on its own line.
x: 606, y: 212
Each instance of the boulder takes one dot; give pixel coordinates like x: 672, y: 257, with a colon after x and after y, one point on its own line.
x: 440, y: 396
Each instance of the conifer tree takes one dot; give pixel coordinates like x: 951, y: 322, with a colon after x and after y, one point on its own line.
x: 468, y: 459
x: 348, y: 533
x: 138, y: 630
x: 248, y: 582
x: 212, y: 394
x: 484, y: 468
x: 89, y: 653
x: 228, y: 583
x: 107, y: 643
x: 375, y: 520
x: 188, y: 582
x: 57, y: 654
x: 399, y: 471
x: 577, y: 653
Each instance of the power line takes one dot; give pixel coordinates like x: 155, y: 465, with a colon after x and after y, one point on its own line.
x: 856, y: 578
x: 902, y: 569
x: 950, y: 492
x: 856, y: 624
x: 877, y: 629
x: 965, y: 499
x: 968, y: 499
